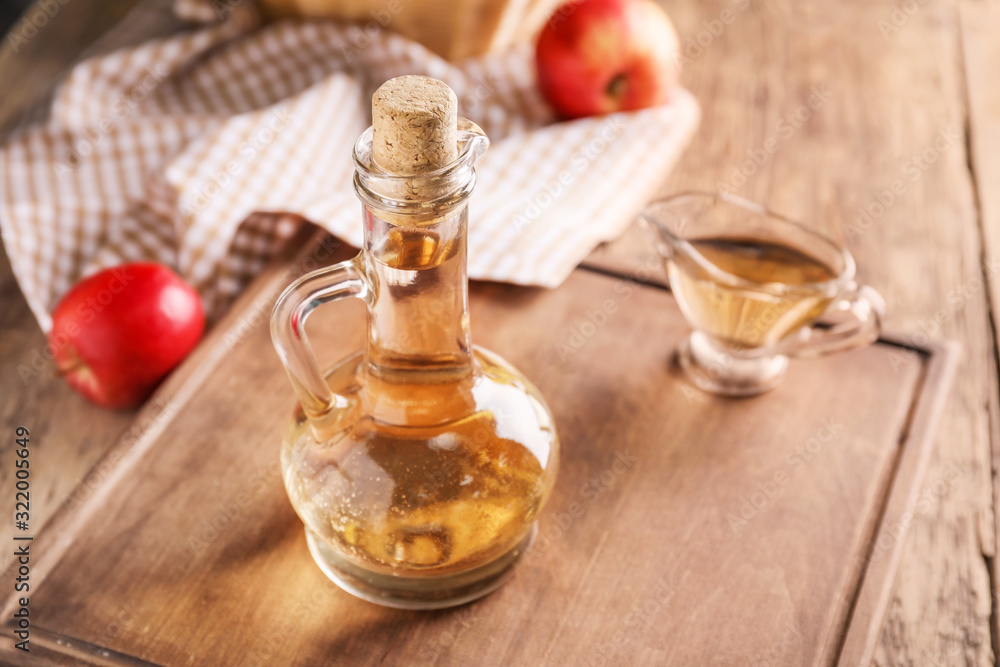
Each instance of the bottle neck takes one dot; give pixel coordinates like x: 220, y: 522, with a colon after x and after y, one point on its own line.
x: 419, y: 321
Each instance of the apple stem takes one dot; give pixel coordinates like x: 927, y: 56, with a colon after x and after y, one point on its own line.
x: 616, y: 87
x: 63, y: 371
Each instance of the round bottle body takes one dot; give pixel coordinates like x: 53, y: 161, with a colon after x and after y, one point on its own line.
x: 427, y: 514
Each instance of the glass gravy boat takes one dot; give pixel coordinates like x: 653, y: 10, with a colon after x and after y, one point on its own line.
x: 757, y: 288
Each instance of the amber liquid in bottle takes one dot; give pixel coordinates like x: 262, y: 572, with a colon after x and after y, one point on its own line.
x: 438, y: 462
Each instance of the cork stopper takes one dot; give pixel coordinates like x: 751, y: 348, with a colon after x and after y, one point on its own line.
x: 415, y: 125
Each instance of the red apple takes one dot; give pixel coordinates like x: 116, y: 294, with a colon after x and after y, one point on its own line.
x: 116, y: 334
x: 599, y: 56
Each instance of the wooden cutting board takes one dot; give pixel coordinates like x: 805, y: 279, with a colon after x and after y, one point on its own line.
x: 684, y: 528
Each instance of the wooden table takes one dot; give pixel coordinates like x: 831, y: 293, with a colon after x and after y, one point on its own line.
x: 892, y: 84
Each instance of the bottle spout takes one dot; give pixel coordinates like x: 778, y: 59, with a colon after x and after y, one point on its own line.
x: 665, y: 224
x: 678, y: 220
x: 472, y: 141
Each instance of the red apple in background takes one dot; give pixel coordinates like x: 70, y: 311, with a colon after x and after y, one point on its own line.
x: 116, y: 334
x: 599, y: 56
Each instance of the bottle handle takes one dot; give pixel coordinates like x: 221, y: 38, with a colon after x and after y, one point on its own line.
x: 854, y: 320
x: 288, y: 333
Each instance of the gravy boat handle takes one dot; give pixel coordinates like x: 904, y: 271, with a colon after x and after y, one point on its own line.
x: 853, y: 320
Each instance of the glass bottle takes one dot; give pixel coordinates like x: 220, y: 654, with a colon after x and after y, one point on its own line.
x: 418, y: 465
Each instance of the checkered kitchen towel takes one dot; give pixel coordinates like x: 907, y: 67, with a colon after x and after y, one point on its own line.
x: 205, y: 150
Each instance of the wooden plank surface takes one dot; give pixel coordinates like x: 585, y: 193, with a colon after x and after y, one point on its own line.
x: 655, y: 568
x: 68, y: 434
x: 980, y: 25
x: 863, y: 635
x: 897, y: 86
x: 897, y: 90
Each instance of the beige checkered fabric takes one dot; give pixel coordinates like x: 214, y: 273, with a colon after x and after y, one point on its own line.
x: 206, y: 149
